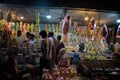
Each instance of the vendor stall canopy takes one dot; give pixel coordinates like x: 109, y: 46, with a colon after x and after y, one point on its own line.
x: 80, y: 15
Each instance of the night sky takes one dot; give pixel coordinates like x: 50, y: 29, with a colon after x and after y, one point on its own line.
x: 111, y: 5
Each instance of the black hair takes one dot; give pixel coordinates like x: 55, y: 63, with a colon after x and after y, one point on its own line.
x: 27, y: 34
x: 50, y: 34
x: 59, y: 37
x: 19, y: 33
x: 32, y: 36
x: 43, y: 34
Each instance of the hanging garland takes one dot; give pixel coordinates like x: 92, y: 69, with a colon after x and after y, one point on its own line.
x: 32, y: 27
x: 28, y: 27
x: 37, y: 28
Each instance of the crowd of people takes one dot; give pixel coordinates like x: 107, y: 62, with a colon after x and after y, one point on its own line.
x: 51, y: 52
x: 47, y: 51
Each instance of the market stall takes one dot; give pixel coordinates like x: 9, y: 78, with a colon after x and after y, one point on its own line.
x: 89, y: 39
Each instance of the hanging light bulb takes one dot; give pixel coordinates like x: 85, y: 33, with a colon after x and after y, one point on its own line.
x: 22, y: 17
x: 48, y: 16
x: 86, y: 18
x: 118, y: 21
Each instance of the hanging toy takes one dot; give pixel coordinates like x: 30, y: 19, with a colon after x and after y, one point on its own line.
x: 66, y: 27
x: 104, y: 31
x: 76, y: 28
x: 118, y: 32
x: 9, y: 16
x: 32, y: 27
x: 17, y: 27
x: 7, y: 32
x: 28, y: 27
x: 21, y: 26
x: 24, y: 27
x: 57, y: 28
x: 53, y: 27
x: 92, y: 26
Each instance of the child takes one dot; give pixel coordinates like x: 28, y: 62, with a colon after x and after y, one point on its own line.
x: 63, y: 58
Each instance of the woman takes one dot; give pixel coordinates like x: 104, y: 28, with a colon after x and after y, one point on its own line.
x: 59, y: 46
x: 63, y: 58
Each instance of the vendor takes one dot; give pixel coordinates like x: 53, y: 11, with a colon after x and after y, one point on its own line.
x: 75, y: 59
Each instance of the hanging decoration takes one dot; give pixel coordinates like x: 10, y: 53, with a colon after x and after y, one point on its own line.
x: 57, y: 28
x: 41, y: 27
x: 37, y: 28
x: 66, y: 27
x: 13, y: 32
x: 3, y: 22
x: 9, y: 16
x: 105, y: 31
x: 21, y: 26
x: 92, y: 26
x: 17, y: 27
x: 24, y: 28
x: 49, y: 27
x: 28, y: 27
x: 32, y: 27
x: 7, y: 32
x: 1, y: 14
x: 113, y: 29
x: 76, y: 28
x: 118, y: 32
x: 53, y: 27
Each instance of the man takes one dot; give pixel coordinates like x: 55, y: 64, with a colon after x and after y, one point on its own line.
x: 54, y: 46
x: 46, y: 50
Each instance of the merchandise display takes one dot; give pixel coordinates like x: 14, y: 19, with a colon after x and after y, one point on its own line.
x: 90, y: 45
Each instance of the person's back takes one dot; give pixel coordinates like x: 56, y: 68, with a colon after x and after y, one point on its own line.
x: 32, y: 42
x: 76, y: 58
x: 46, y: 48
x: 54, y: 43
x: 19, y: 39
x: 46, y: 51
x: 60, y: 45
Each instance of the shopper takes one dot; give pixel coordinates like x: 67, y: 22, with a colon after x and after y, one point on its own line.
x: 27, y: 37
x: 59, y: 46
x: 63, y: 58
x: 46, y: 50
x: 19, y: 38
x: 10, y: 68
x: 54, y: 46
x: 32, y: 42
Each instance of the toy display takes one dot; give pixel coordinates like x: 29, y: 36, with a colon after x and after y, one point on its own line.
x: 66, y: 27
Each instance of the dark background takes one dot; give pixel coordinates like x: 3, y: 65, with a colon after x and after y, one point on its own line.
x: 111, y: 5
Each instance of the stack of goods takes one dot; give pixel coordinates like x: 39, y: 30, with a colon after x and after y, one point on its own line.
x: 69, y: 48
x: 47, y: 75
x: 93, y: 51
x: 59, y: 73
